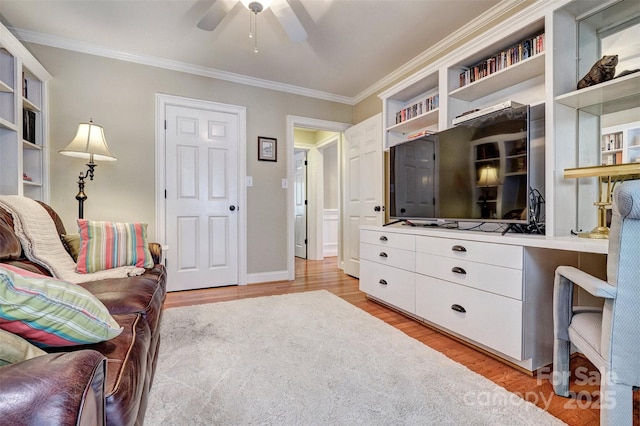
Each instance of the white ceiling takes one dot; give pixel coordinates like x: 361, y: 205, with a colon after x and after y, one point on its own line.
x: 351, y: 46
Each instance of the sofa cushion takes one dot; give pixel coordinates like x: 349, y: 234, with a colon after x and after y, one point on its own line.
x: 107, y: 245
x: 143, y: 294
x: 10, y: 247
x: 15, y: 349
x: 127, y: 369
x: 50, y: 312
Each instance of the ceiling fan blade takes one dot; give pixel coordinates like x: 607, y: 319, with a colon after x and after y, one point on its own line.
x: 288, y: 20
x: 214, y: 15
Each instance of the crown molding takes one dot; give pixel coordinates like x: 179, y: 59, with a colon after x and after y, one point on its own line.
x: 442, y: 47
x: 97, y: 50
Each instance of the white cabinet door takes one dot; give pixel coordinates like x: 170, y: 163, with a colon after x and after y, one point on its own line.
x: 363, y: 195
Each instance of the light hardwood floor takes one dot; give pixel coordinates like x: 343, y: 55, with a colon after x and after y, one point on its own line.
x: 317, y: 275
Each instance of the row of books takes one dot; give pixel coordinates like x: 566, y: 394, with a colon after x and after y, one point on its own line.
x: 419, y: 108
x: 419, y: 134
x: 613, y: 158
x: 523, y: 50
x: 611, y: 141
x: 29, y: 126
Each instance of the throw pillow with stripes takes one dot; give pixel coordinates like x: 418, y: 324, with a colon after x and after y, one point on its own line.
x: 49, y: 312
x: 107, y: 245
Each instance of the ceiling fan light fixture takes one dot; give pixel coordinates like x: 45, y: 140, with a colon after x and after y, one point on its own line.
x: 256, y: 6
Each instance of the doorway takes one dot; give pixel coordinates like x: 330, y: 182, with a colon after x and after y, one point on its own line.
x: 316, y: 193
x: 327, y: 138
x: 300, y: 188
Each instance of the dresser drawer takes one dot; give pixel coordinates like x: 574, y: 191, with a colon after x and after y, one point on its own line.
x: 494, y: 279
x: 395, y: 257
x: 492, y: 320
x: 389, y: 239
x: 475, y: 251
x: 392, y: 285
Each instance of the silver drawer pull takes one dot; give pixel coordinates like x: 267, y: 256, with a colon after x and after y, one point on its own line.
x: 383, y: 238
x: 383, y: 254
x: 458, y: 248
x: 458, y: 308
x: 458, y: 270
x: 383, y: 282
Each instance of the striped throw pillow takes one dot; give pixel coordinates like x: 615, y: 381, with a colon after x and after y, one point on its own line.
x: 107, y: 245
x: 50, y: 312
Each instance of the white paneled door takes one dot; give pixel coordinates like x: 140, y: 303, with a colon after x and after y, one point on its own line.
x: 363, y: 194
x: 300, y: 159
x: 202, y: 197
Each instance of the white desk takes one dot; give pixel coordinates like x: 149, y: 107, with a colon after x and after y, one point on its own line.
x: 493, y: 291
x: 568, y: 243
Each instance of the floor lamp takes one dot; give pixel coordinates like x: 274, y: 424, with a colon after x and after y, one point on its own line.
x: 612, y: 174
x: 89, y: 143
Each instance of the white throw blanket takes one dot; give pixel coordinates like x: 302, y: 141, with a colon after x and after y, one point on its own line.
x: 41, y: 242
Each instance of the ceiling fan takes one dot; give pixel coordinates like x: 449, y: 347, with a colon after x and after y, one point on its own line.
x: 280, y: 8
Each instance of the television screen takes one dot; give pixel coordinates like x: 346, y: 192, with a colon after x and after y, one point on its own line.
x: 475, y: 171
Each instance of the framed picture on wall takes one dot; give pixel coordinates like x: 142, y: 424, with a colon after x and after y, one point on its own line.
x: 267, y: 149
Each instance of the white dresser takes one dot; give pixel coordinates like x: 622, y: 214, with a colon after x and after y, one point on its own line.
x: 492, y: 291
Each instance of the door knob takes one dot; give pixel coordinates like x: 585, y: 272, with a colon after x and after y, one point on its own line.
x: 376, y: 208
x: 232, y: 208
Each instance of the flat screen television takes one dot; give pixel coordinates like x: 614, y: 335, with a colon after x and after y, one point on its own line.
x: 476, y: 171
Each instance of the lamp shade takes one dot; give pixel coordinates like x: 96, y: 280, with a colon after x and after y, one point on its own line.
x: 488, y: 176
x: 89, y: 143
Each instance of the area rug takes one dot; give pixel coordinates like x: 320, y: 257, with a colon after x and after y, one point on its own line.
x: 314, y: 359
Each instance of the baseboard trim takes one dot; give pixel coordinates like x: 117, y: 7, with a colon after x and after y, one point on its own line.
x: 266, y: 277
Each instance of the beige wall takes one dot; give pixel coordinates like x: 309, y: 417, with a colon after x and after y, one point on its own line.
x: 121, y: 96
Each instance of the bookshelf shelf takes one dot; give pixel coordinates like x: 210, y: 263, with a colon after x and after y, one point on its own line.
x: 4, y: 87
x: 7, y: 124
x: 510, y: 76
x: 416, y: 123
x: 27, y: 104
x: 30, y: 145
x: 605, y: 98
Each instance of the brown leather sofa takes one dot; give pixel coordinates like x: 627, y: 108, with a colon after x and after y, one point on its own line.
x: 91, y: 384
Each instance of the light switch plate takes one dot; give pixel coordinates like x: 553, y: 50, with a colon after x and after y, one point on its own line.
x: 285, y: 183
x: 249, y: 180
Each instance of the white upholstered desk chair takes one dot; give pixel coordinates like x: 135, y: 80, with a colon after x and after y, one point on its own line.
x: 609, y: 338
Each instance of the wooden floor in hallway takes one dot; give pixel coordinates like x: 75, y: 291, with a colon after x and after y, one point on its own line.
x: 580, y: 410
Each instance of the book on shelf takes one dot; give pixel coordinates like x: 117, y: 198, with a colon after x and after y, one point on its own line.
x: 421, y: 107
x: 29, y: 125
x: 611, y: 141
x: 506, y: 58
x: 613, y: 158
x: 419, y: 134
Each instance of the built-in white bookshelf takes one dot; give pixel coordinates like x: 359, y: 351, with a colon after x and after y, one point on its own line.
x: 567, y: 124
x: 24, y: 152
x: 583, y: 118
x: 620, y: 144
